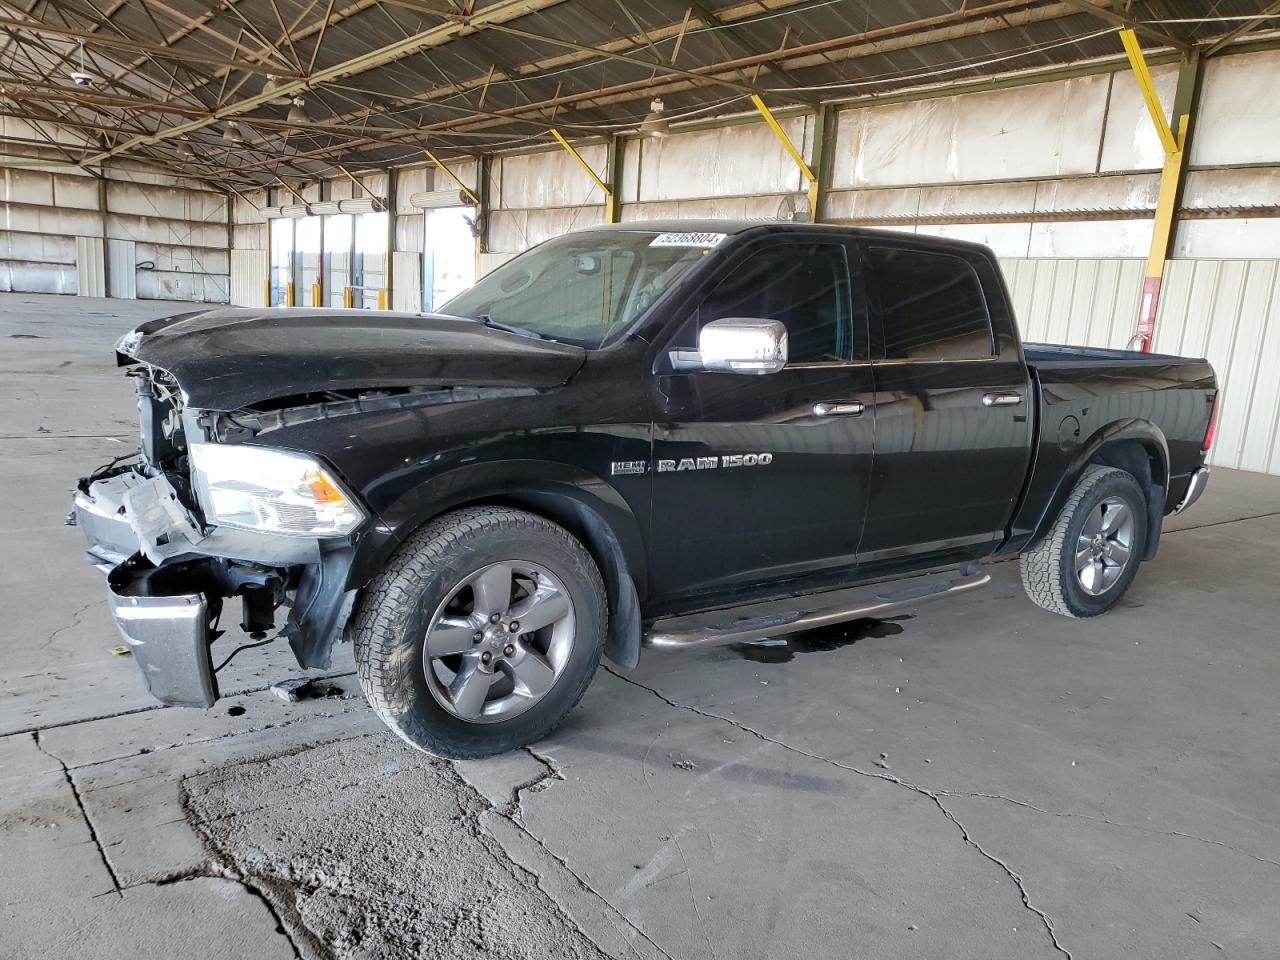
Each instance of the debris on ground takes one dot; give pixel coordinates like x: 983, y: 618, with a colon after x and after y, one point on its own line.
x: 305, y: 688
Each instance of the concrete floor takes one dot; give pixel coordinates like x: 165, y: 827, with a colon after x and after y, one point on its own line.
x: 977, y: 779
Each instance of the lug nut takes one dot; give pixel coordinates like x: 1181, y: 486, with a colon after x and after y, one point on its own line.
x: 494, y: 618
x: 486, y: 657
x: 514, y: 626
x: 508, y: 650
x: 477, y: 636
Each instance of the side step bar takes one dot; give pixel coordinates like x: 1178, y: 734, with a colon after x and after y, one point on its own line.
x: 774, y: 618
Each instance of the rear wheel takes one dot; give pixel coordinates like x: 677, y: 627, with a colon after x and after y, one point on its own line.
x: 482, y: 632
x: 1090, y: 556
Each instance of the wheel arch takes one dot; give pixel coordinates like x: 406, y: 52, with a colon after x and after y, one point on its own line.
x: 1135, y: 445
x: 592, y: 510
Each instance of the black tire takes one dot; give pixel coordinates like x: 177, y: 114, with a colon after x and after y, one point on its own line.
x: 391, y: 623
x: 1049, y: 569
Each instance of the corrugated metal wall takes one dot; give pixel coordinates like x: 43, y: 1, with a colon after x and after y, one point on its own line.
x: 90, y: 270
x: 248, y: 277
x: 1226, y: 310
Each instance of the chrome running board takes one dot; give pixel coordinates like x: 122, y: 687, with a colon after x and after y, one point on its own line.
x: 773, y: 618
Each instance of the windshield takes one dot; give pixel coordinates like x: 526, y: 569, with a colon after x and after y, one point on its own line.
x: 585, y: 287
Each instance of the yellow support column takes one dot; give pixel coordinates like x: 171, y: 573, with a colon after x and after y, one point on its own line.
x: 811, y: 178
x: 1174, y: 140
x: 383, y: 300
x: 317, y: 295
x: 348, y: 297
x: 290, y: 295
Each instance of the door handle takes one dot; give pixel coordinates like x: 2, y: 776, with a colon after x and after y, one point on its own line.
x: 1001, y: 399
x: 838, y: 408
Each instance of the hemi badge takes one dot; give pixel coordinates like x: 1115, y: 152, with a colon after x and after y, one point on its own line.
x: 622, y: 468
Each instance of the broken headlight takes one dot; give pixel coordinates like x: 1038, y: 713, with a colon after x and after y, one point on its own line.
x: 275, y: 491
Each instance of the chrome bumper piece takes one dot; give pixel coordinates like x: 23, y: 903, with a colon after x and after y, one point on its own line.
x: 169, y: 638
x: 1194, y: 489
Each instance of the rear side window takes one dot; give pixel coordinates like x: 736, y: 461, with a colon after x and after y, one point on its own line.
x: 804, y: 286
x: 932, y: 304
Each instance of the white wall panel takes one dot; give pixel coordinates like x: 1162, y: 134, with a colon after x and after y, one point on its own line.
x: 22, y: 276
x: 736, y: 160
x: 1083, y: 238
x: 511, y: 231
x: 1130, y: 141
x: 1239, y: 237
x: 548, y: 179
x: 767, y: 207
x: 1238, y: 121
x: 406, y: 280
x: 1044, y: 129
x: 409, y: 181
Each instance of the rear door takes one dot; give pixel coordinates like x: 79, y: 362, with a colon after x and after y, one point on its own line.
x: 755, y: 482
x: 953, y: 404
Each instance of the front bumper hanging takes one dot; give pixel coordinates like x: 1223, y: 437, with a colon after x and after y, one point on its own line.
x: 168, y: 633
x: 167, y: 579
x: 169, y: 638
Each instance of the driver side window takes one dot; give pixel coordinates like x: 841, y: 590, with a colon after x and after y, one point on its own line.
x: 804, y: 286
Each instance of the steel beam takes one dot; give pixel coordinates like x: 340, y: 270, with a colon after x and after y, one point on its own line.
x: 137, y: 46
x: 824, y: 153
x: 613, y: 212
x: 1104, y: 12
x: 1247, y: 27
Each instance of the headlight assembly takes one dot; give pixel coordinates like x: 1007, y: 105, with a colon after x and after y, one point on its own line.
x: 275, y: 491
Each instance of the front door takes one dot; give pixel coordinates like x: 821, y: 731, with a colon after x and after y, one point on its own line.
x: 953, y: 407
x: 759, y: 479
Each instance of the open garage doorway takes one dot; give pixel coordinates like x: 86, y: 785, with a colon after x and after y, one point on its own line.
x: 449, y: 260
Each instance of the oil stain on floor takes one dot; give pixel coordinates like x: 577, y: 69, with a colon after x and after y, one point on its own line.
x: 821, y: 640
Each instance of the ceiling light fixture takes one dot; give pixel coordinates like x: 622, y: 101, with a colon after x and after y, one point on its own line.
x: 296, y: 113
x: 269, y: 90
x: 654, y: 123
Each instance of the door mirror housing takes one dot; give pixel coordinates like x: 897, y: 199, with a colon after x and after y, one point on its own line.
x: 749, y: 345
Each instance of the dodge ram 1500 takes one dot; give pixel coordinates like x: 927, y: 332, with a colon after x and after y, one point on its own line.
x: 652, y: 434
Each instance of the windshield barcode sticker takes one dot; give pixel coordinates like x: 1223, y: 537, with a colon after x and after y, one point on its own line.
x: 687, y: 239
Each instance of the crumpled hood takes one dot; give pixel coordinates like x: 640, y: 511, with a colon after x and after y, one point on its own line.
x: 228, y: 359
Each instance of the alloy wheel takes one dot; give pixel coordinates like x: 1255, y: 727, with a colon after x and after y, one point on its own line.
x: 499, y: 641
x: 1105, y: 546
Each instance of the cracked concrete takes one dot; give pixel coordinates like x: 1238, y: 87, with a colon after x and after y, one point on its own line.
x: 888, y: 778
x: 990, y: 781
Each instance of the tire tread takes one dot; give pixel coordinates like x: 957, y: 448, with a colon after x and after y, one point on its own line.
x: 1041, y: 567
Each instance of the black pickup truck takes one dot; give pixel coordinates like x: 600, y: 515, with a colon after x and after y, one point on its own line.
x: 662, y: 434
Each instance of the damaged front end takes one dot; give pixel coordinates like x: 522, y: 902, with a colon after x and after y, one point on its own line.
x: 191, y: 523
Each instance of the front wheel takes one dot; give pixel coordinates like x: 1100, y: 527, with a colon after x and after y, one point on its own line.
x: 481, y: 633
x: 1090, y: 556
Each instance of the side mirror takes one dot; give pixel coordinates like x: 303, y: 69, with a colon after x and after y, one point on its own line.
x: 736, y: 345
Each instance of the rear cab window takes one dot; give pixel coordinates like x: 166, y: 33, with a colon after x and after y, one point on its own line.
x: 932, y: 304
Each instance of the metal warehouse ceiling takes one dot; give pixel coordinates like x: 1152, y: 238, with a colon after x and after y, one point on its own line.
x: 240, y: 91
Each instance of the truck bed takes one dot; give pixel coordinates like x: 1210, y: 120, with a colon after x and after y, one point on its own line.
x: 1052, y: 355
